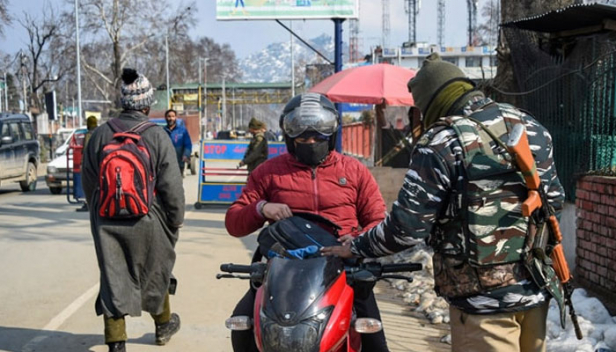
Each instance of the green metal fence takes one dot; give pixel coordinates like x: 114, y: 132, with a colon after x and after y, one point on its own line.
x: 569, y: 86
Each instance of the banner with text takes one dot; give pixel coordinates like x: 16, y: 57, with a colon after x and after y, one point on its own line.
x: 285, y: 9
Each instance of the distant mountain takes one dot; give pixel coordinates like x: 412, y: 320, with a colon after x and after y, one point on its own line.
x: 273, y: 64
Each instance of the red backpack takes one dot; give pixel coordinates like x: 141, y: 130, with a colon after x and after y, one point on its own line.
x: 126, y: 175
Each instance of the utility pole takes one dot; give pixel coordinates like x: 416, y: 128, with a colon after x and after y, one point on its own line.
x: 24, y: 94
x: 167, y: 68
x: 292, y: 61
x: 441, y: 22
x: 386, y: 25
x: 77, y: 48
x: 200, y: 107
x: 472, y: 21
x: 412, y: 9
x: 223, y: 117
x: 6, y: 92
x: 233, y: 107
x: 203, y: 107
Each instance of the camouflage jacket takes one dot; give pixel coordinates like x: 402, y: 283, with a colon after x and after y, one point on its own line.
x: 257, y: 152
x: 428, y: 205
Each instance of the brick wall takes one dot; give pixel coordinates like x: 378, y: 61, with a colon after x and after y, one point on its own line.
x: 596, y: 237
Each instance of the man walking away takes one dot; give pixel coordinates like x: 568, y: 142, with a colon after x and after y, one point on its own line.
x: 134, y: 240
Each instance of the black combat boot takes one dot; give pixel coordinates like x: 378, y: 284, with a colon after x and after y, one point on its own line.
x: 117, y: 346
x: 168, y: 329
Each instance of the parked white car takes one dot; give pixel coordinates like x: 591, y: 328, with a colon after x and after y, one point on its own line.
x: 63, y: 136
x: 57, y: 177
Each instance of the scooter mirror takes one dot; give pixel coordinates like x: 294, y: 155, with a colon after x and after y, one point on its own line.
x: 368, y: 325
x: 239, y: 323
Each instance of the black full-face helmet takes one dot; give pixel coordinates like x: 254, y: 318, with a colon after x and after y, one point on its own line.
x: 309, y: 112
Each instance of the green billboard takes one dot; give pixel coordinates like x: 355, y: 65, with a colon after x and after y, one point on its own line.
x: 285, y: 9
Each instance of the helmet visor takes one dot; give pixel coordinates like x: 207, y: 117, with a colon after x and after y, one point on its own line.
x: 310, y: 118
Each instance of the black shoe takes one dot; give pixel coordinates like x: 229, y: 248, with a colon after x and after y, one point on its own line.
x: 168, y: 329
x: 83, y: 208
x: 117, y: 346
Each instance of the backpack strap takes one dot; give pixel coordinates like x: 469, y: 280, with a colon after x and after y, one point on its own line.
x: 118, y: 126
x: 142, y: 126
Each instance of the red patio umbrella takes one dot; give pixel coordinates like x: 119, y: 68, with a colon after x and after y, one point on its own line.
x: 371, y: 84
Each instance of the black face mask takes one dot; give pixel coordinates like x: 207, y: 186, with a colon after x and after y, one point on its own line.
x: 312, y: 154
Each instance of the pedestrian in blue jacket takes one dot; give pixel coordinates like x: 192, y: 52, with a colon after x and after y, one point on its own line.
x: 179, y: 137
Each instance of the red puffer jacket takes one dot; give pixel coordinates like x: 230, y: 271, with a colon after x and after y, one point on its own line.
x: 340, y: 189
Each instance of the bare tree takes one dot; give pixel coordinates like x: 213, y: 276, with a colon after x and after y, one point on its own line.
x: 5, y: 18
x: 488, y: 30
x: 127, y: 25
x: 43, y: 65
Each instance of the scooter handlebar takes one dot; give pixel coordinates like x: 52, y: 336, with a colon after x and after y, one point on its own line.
x: 235, y: 268
x: 397, y: 268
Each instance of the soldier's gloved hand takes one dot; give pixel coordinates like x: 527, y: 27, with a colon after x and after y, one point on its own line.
x: 276, y: 211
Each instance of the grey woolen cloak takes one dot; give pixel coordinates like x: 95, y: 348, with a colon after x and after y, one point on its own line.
x: 135, y: 257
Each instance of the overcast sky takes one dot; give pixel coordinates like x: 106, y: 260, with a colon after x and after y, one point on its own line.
x: 246, y: 37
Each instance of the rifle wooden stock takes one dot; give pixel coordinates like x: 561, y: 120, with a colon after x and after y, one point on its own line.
x: 518, y: 145
x: 531, y: 203
x: 520, y: 148
x: 559, y: 263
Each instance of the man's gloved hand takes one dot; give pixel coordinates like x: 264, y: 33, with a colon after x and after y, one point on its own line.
x: 240, y: 164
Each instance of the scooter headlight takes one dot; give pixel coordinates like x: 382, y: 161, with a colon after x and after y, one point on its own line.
x: 304, y: 336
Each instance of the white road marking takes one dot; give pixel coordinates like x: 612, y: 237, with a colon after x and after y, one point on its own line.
x: 61, y: 318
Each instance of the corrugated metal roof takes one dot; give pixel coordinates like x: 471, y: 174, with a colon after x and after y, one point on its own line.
x: 567, y: 18
x: 231, y: 85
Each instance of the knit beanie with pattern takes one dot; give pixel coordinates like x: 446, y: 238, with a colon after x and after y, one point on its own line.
x: 137, y: 92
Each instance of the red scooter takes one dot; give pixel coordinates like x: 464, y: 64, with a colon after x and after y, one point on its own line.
x: 306, y: 305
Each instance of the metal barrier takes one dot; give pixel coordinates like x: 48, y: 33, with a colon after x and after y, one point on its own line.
x: 220, y: 181
x: 357, y: 139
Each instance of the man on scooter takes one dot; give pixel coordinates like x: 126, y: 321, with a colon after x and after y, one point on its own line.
x: 311, y: 178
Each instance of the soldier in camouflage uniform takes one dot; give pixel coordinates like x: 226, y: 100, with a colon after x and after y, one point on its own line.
x: 462, y: 195
x: 257, y: 149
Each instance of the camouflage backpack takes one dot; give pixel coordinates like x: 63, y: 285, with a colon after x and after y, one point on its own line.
x: 480, y: 241
x: 490, y: 199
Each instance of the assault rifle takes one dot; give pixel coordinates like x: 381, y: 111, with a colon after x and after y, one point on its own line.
x: 537, y: 205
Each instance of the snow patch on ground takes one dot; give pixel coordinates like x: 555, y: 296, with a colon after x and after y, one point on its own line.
x: 598, y: 327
